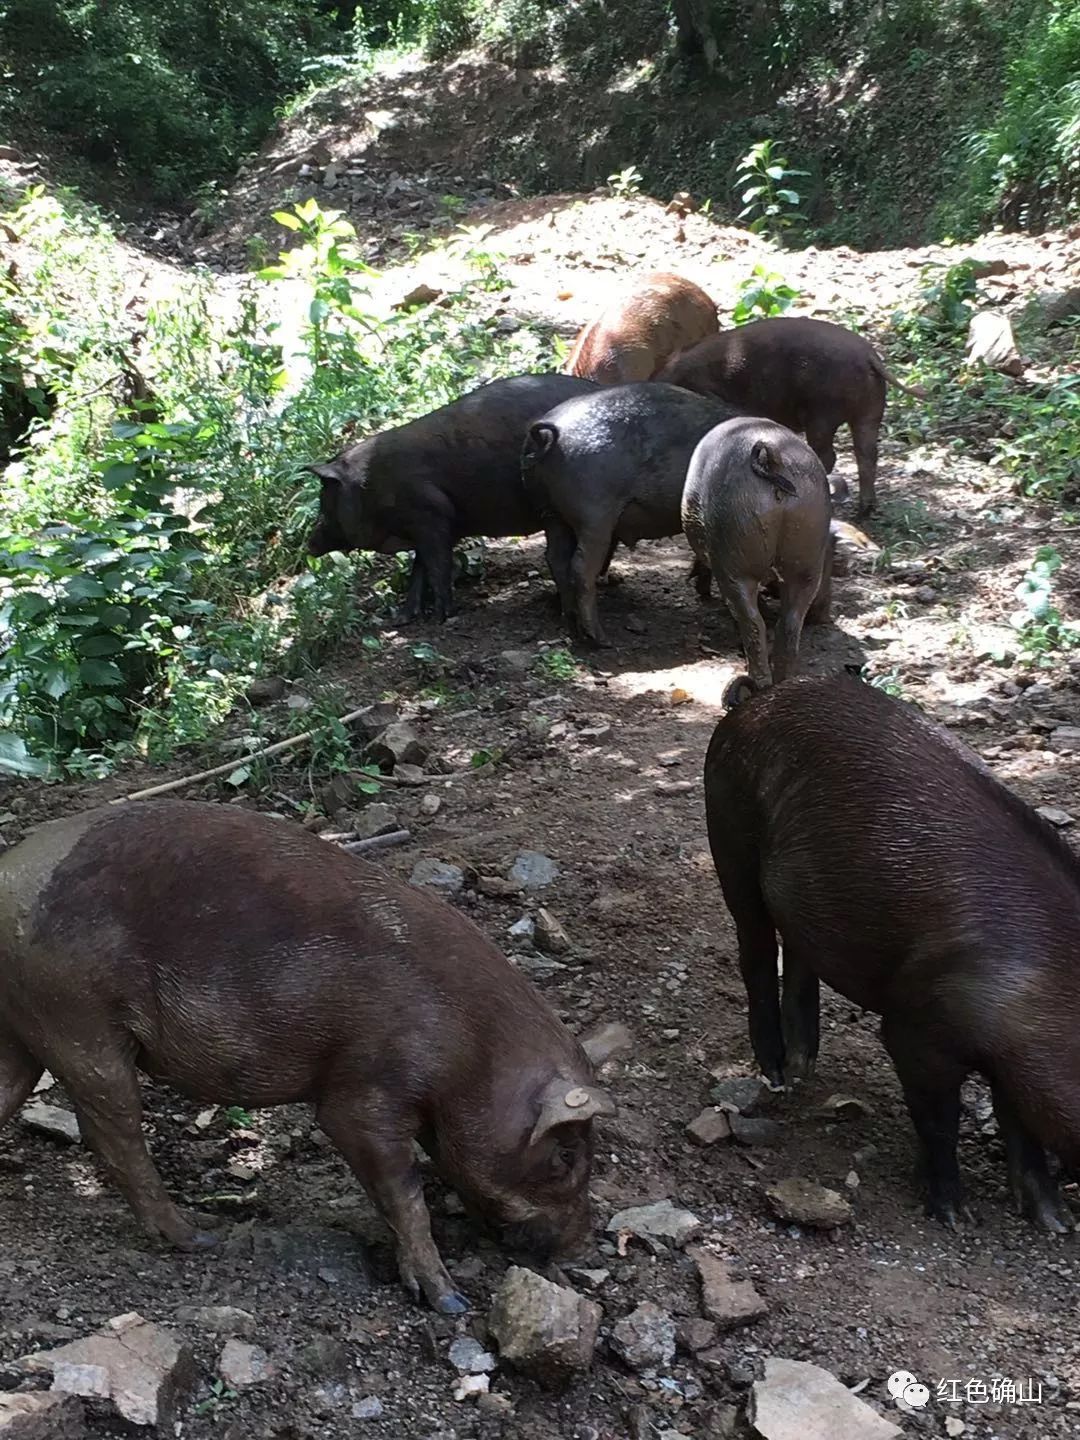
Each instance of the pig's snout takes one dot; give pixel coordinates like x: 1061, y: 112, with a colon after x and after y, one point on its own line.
x: 546, y: 1238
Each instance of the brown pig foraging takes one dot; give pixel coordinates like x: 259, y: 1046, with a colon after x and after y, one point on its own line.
x: 806, y: 374
x: 756, y: 502
x: 241, y: 960
x: 899, y: 871
x: 428, y: 484
x: 632, y: 339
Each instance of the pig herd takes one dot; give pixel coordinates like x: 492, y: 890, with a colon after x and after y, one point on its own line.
x: 241, y: 960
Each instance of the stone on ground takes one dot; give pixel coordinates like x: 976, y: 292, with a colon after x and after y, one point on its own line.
x: 144, y: 1370
x: 802, y: 1202
x: 799, y: 1401
x: 645, y: 1339
x: 729, y: 1302
x: 661, y: 1221
x: 547, y: 1330
x: 41, y: 1417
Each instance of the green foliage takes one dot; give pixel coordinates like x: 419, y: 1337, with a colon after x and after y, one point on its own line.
x: 625, y: 183
x: 768, y: 200
x: 1026, y: 165
x: 763, y: 293
x: 152, y: 549
x: 942, y: 309
x: 1039, y: 624
x: 172, y: 92
x: 557, y: 664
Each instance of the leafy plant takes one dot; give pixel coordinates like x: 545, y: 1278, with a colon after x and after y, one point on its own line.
x: 558, y: 664
x: 220, y: 1394
x: 625, y: 184
x: 761, y: 294
x: 1039, y: 624
x: 763, y: 179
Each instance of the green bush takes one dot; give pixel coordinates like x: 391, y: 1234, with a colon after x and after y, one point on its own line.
x: 171, y: 92
x: 1027, y: 165
x: 152, y: 550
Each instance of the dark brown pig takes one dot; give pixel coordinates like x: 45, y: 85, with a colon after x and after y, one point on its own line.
x: 426, y: 485
x: 244, y: 961
x: 606, y: 467
x: 756, y: 502
x: 632, y: 339
x: 897, y: 870
x: 809, y: 375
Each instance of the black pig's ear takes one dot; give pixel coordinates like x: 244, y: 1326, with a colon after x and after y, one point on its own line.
x: 763, y: 464
x: 564, y: 1103
x: 329, y: 474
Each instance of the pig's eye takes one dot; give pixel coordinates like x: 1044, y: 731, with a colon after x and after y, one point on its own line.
x: 563, y: 1159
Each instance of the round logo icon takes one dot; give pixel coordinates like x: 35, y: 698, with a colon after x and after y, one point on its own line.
x: 903, y: 1385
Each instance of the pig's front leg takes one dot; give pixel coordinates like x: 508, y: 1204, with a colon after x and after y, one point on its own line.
x: 370, y: 1133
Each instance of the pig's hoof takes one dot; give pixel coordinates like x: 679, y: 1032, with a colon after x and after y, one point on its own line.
x: 738, y: 690
x: 451, y: 1304
x: 949, y: 1211
x: 1044, y: 1206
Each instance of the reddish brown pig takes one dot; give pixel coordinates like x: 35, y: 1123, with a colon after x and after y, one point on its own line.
x: 809, y: 375
x: 897, y: 870
x: 632, y: 339
x: 242, y: 960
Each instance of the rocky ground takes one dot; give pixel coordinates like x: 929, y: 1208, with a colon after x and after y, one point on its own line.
x: 296, y: 1327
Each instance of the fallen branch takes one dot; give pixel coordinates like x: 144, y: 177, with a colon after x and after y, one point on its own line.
x: 276, y: 749
x: 376, y: 842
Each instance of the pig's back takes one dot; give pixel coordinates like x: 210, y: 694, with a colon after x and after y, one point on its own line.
x: 219, y: 937
x: 882, y: 847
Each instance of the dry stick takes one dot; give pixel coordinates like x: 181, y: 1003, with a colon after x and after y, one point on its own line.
x: 376, y: 842
x: 275, y: 749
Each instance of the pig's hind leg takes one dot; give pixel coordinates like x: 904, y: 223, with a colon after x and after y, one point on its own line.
x: 108, y: 1104
x: 1034, y: 1189
x: 370, y: 1134
x: 19, y: 1073
x: 742, y: 600
x: 797, y: 594
x: 800, y: 1016
x: 592, y: 551
x: 931, y: 1080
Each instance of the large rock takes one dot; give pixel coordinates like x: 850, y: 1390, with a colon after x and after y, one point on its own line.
x: 51, y: 1120
x: 991, y: 342
x: 547, y: 1330
x: 438, y: 875
x: 143, y: 1369
x: 398, y: 744
x: 533, y: 871
x: 801, y: 1202
x: 376, y: 819
x: 550, y: 935
x: 729, y: 1302
x: 645, y: 1339
x: 373, y: 720
x: 41, y: 1417
x: 711, y: 1126
x: 661, y: 1221
x: 799, y: 1401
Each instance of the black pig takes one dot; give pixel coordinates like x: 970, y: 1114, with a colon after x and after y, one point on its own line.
x: 426, y: 485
